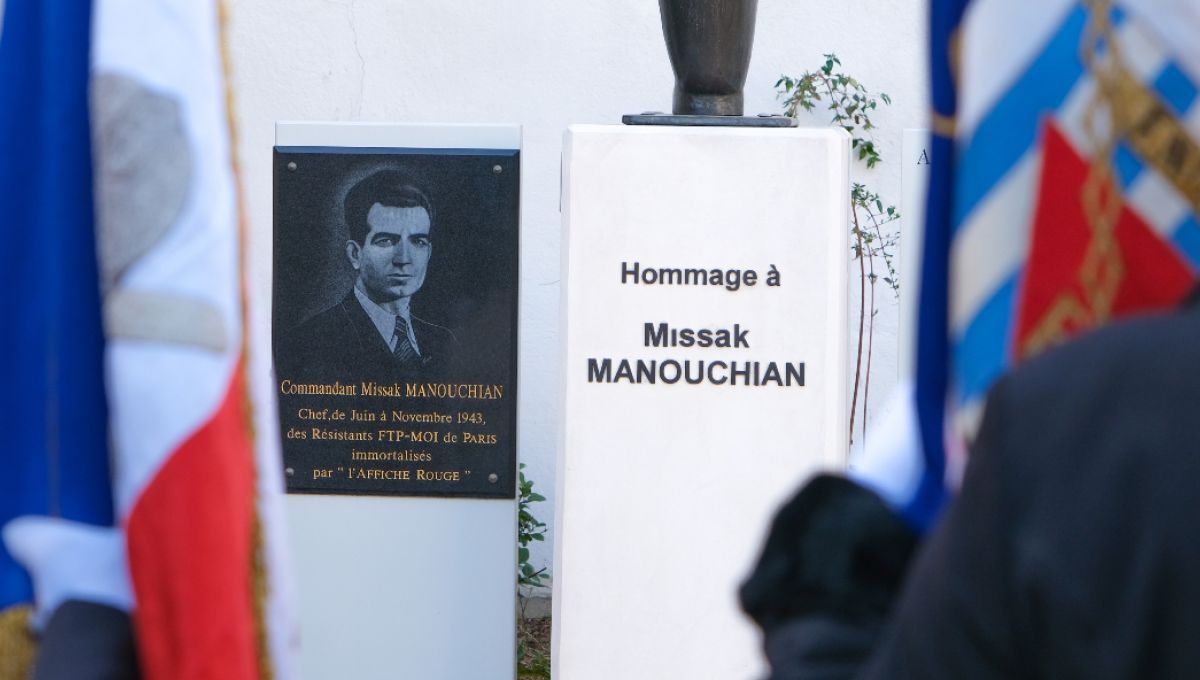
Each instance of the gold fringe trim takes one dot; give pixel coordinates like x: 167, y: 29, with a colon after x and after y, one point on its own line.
x: 259, y: 581
x: 260, y: 587
x: 17, y: 646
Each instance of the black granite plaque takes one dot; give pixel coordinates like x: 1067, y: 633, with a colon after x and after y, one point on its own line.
x: 395, y: 320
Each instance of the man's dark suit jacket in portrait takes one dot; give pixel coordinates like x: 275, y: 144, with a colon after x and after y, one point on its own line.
x: 342, y: 343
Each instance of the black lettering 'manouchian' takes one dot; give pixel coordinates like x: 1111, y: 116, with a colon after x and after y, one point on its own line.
x: 696, y: 372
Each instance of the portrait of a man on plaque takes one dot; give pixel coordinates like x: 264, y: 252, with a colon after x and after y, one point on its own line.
x: 394, y: 321
x: 373, y: 330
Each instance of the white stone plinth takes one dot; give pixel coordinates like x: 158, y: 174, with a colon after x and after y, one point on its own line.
x: 666, y: 489
x: 392, y: 587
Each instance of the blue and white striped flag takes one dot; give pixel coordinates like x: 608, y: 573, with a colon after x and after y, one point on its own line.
x: 1065, y: 193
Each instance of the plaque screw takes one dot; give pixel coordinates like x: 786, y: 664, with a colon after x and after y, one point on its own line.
x: 496, y: 169
x: 292, y: 166
x: 493, y: 478
x: 290, y: 472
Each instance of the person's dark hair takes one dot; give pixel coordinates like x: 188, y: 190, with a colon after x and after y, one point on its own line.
x: 389, y: 188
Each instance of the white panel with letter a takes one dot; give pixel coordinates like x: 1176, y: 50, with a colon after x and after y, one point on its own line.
x: 705, y: 353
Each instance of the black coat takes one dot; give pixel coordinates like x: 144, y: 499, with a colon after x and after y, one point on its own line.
x: 86, y: 641
x: 1073, y: 549
x: 342, y: 343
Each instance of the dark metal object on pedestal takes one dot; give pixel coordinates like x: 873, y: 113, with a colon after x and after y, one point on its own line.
x: 709, y: 43
x: 659, y: 118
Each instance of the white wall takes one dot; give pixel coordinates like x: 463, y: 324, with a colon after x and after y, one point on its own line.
x: 544, y: 65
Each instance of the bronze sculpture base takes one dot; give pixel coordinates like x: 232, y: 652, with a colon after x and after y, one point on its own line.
x: 656, y: 118
x: 692, y: 104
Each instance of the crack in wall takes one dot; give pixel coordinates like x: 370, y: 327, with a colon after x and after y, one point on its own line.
x: 352, y: 20
x: 362, y: 63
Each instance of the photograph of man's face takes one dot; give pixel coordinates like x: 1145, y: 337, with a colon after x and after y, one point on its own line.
x: 394, y: 256
x: 389, y: 245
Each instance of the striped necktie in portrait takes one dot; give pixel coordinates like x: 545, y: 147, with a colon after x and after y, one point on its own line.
x: 404, y: 352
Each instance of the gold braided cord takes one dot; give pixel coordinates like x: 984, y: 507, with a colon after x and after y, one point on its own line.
x: 1123, y: 109
x: 943, y: 126
x: 17, y: 645
x: 954, y: 52
x: 1158, y: 137
x: 259, y: 581
x: 1103, y: 268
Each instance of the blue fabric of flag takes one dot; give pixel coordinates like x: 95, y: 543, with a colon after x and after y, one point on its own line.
x: 54, y: 453
x: 1187, y: 238
x: 933, y: 342
x: 1010, y: 127
x: 984, y: 348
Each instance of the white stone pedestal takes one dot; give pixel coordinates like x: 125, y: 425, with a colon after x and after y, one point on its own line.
x: 404, y: 587
x: 666, y: 487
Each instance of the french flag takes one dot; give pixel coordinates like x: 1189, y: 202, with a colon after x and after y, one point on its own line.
x: 185, y: 496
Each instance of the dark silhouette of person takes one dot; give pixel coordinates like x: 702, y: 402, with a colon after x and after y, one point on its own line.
x: 1070, y: 551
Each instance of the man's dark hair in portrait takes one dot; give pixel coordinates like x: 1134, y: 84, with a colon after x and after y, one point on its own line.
x: 372, y: 332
